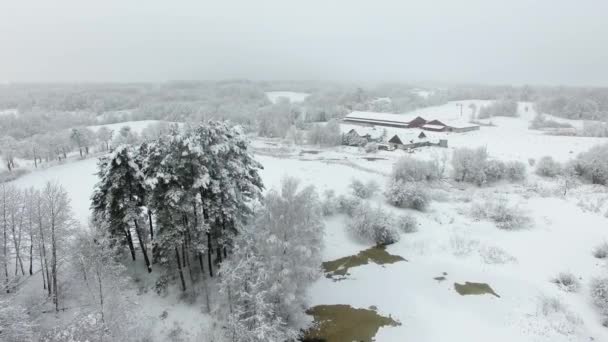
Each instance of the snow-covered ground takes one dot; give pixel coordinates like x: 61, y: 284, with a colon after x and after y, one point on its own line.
x: 274, y: 96
x: 518, y: 265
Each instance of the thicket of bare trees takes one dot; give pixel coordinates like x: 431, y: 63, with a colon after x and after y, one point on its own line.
x: 35, y: 225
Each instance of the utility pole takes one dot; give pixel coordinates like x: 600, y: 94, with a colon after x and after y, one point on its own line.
x: 460, y: 105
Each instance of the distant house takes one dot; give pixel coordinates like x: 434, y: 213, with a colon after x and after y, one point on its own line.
x: 405, y: 141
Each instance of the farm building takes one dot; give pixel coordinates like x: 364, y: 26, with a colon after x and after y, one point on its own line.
x: 408, y: 121
x: 409, y: 140
x: 361, y: 135
x: 385, y: 119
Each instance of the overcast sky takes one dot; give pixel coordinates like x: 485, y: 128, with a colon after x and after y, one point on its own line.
x: 489, y: 41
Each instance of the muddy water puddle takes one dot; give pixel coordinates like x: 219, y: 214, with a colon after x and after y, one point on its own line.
x: 343, y: 323
x: 338, y: 269
x: 469, y: 288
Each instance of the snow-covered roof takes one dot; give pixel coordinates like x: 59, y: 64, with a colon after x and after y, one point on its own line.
x: 370, y: 117
x: 373, y: 132
x: 459, y: 124
x: 433, y: 126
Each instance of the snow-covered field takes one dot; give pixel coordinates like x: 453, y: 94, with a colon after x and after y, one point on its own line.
x: 274, y: 96
x: 518, y: 265
x: 136, y: 126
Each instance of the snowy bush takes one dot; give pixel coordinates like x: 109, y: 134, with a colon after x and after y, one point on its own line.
x: 499, y: 108
x: 407, y: 224
x: 567, y: 282
x: 371, y: 147
x: 374, y: 225
x: 494, y: 170
x: 325, y: 135
x: 468, y: 165
x: 495, y: 255
x: 593, y: 164
x: 559, y: 317
x: 548, y: 167
x: 407, y: 195
x: 601, y: 251
x: 408, y: 169
x: 347, y: 204
x: 599, y: 293
x: 504, y: 215
x: 515, y: 171
x: 364, y: 190
x: 15, y: 323
x: 329, y: 204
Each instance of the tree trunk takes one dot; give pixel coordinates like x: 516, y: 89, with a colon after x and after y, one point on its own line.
x: 209, y: 251
x: 130, y: 242
x: 150, y: 223
x: 46, y: 263
x: 142, y: 245
x: 42, y: 267
x: 31, y: 257
x: 54, y: 262
x: 179, y: 267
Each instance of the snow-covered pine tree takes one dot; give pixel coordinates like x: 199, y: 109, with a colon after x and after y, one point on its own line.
x: 119, y: 197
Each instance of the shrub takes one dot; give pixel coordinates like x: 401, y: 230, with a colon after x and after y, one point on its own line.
x: 548, y: 167
x: 531, y: 161
x: 499, y: 108
x: 515, y: 171
x: 494, y: 170
x: 567, y: 282
x: 601, y: 251
x: 407, y: 195
x: 362, y: 190
x: 329, y: 204
x: 599, y: 293
x: 347, y: 204
x: 559, y: 316
x: 408, y: 169
x: 468, y: 165
x: 325, y: 135
x: 499, y: 211
x: 407, y: 224
x: 371, y: 147
x: 373, y: 224
x: 540, y: 122
x: 593, y: 164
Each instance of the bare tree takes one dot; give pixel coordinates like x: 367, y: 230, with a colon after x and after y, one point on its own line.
x: 57, y: 205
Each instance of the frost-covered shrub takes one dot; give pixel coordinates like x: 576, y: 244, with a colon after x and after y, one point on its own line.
x: 601, y: 251
x: 374, y: 225
x: 468, y: 165
x: 407, y: 195
x: 504, y: 215
x: 364, y: 190
x: 548, y: 167
x: 499, y: 108
x: 599, y: 293
x: 494, y: 170
x: 371, y: 147
x: 325, y: 135
x: 495, y: 255
x: 567, y: 282
x: 558, y: 315
x: 408, y: 169
x: 593, y: 164
x: 347, y: 204
x: 515, y: 171
x: 407, y: 224
x: 329, y: 203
